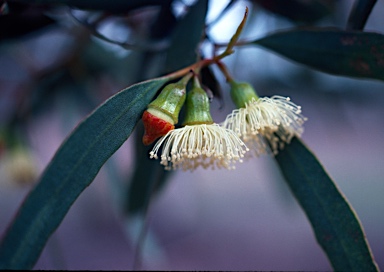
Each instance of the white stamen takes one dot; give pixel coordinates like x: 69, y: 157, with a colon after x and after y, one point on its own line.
x: 200, y: 145
x: 266, y: 124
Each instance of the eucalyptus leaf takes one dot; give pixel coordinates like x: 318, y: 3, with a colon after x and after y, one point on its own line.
x: 147, y: 179
x: 333, y: 220
x: 297, y: 10
x: 338, y: 52
x: 359, y: 14
x: 149, y: 175
x: 23, y: 23
x: 117, y: 6
x: 72, y: 169
x: 185, y: 38
x: 212, y: 85
x: 165, y: 21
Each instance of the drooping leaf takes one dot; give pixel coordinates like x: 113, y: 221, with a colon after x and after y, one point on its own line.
x: 338, y: 52
x: 22, y: 20
x: 333, y: 220
x: 72, y: 169
x: 185, y: 38
x: 165, y: 21
x: 149, y: 176
x: 147, y: 179
x: 299, y: 11
x: 117, y: 6
x: 209, y: 79
x: 360, y: 13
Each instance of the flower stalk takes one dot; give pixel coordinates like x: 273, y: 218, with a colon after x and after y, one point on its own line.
x: 216, y: 59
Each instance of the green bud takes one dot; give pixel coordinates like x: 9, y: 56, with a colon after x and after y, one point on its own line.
x: 170, y: 100
x: 242, y: 92
x: 197, y: 104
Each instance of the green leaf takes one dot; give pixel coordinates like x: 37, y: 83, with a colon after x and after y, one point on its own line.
x: 338, y: 52
x: 117, y: 6
x: 359, y: 14
x: 165, y: 21
x: 72, y: 169
x: 23, y: 23
x: 210, y: 81
x: 298, y: 10
x: 148, y: 177
x: 334, y: 222
x: 186, y: 37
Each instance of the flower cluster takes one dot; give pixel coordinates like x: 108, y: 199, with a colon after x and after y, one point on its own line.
x: 264, y: 125
x: 200, y: 142
x: 267, y: 123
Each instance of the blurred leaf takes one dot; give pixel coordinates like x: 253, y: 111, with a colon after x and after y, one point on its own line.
x: 165, y: 21
x: 359, y: 14
x: 23, y: 21
x: 72, y: 169
x: 117, y: 6
x: 148, y: 177
x: 208, y: 78
x: 300, y: 11
x: 186, y: 37
x: 338, y: 52
x: 334, y: 222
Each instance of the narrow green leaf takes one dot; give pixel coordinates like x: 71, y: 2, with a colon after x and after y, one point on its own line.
x: 72, y: 169
x: 338, y: 52
x: 185, y: 38
x: 147, y: 179
x: 117, y: 6
x: 210, y: 81
x: 165, y: 21
x: 334, y: 222
x: 297, y: 10
x: 359, y: 14
x: 23, y: 23
x: 149, y: 176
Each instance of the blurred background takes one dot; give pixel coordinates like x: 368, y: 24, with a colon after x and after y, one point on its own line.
x: 56, y: 66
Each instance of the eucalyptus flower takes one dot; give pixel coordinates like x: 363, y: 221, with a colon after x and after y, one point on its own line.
x: 265, y: 124
x: 206, y: 145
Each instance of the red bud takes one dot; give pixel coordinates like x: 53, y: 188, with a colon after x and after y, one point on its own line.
x: 155, y: 127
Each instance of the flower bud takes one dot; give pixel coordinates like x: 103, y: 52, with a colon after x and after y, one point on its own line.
x: 155, y: 127
x: 197, y: 107
x: 163, y: 112
x: 241, y: 93
x: 170, y: 100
